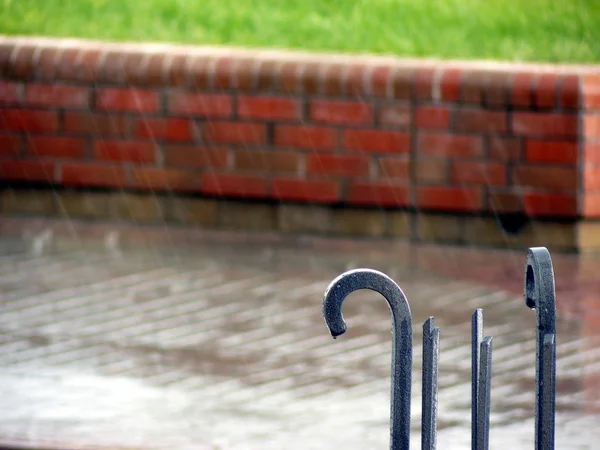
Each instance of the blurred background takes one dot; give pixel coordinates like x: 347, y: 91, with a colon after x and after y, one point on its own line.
x: 181, y: 181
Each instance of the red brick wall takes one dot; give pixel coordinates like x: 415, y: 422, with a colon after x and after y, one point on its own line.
x: 305, y: 128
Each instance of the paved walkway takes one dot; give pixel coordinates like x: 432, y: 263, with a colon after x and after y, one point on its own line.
x: 158, y: 343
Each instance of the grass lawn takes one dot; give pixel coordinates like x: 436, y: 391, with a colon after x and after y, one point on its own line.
x: 515, y: 30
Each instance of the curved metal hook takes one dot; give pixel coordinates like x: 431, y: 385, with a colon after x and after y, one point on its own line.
x: 539, y: 287
x: 540, y: 295
x: 376, y: 281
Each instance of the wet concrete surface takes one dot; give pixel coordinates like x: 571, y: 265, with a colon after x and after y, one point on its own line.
x: 220, y: 343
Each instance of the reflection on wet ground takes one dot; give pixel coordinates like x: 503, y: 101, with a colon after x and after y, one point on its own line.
x: 221, y: 345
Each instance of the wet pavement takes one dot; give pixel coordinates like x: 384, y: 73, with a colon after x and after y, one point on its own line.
x: 158, y: 342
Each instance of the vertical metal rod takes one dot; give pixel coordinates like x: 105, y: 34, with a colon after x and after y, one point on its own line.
x: 540, y: 295
x: 431, y: 356
x: 484, y: 394
x: 476, y: 339
x: 335, y: 294
x: 546, y: 438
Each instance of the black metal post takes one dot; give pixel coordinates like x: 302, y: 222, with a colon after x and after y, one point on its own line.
x: 540, y: 295
x: 335, y: 294
x: 431, y: 356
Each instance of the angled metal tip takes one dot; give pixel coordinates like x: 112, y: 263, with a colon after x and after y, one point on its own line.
x: 429, y: 326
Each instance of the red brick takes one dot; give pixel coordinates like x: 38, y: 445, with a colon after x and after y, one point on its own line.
x: 134, y: 100
x: 558, y: 152
x: 590, y: 91
x: 544, y: 125
x: 9, y: 92
x: 402, y: 82
x: 591, y: 125
x: 223, y: 71
x: 423, y: 83
x: 195, y: 156
x: 165, y: 69
x: 205, y: 105
x: 10, y: 145
x: 480, y: 121
x: 266, y: 76
x: 28, y: 120
x: 569, y: 92
x: 546, y: 90
x: 378, y: 141
x: 548, y: 177
x: 235, y: 133
x: 380, y: 80
x: 46, y: 62
x: 27, y: 170
x: 58, y: 147
x: 378, y: 193
x: 158, y: 179
x: 133, y: 151
x: 315, y: 191
x: 432, y: 117
x: 269, y: 108
x: 590, y: 207
x: 450, y: 85
x: 591, y: 152
x: 332, y: 80
x: 93, y: 175
x: 243, y: 76
x: 167, y: 129
x: 308, y: 137
x: 341, y: 112
x: 233, y: 185
x: 23, y: 62
x: 473, y: 84
x: 450, y: 145
x: 504, y: 149
x: 96, y: 124
x: 267, y: 160
x: 309, y: 78
x: 342, y: 165
x: 54, y: 95
x: 522, y: 89
x: 431, y: 171
x: 475, y: 172
x: 549, y: 205
x: 394, y: 168
x: 498, y: 87
x: 591, y: 178
x: 397, y: 115
x: 449, y: 198
x: 288, y: 77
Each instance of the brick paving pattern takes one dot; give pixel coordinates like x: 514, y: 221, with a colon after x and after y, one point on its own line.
x: 221, y: 345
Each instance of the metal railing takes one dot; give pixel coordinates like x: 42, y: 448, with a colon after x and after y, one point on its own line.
x: 539, y: 295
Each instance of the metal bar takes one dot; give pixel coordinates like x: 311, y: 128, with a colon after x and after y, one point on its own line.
x: 540, y: 295
x: 476, y: 339
x: 431, y: 356
x: 546, y: 437
x: 484, y: 394
x: 335, y: 294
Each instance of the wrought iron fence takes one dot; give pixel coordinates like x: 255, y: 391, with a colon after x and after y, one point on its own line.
x: 539, y: 295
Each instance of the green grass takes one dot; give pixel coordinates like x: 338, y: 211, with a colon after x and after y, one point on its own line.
x: 514, y: 30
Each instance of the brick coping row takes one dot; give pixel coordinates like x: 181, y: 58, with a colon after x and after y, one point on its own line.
x: 288, y: 71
